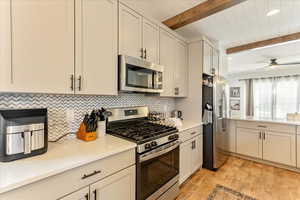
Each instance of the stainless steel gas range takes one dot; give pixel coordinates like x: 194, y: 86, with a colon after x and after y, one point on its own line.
x: 157, y: 171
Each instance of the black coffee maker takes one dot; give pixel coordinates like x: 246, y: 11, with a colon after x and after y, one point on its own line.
x: 23, y: 133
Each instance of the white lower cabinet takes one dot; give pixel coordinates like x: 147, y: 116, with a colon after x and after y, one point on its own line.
x: 280, y: 148
x: 249, y: 142
x: 113, y: 178
x: 191, y: 155
x: 82, y: 194
x: 120, y: 186
x: 298, y: 150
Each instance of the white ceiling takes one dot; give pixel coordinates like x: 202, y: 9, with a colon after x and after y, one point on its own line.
x: 241, y: 24
x: 259, y: 58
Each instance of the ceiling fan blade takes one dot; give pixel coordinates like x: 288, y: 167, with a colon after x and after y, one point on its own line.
x: 292, y: 63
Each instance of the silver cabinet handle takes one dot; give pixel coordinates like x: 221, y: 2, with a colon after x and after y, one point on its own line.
x: 145, y: 53
x: 86, y: 196
x: 79, y: 83
x: 193, y: 133
x: 72, y: 82
x: 95, y: 194
x: 264, y: 135
x: 176, y: 91
x: 260, y: 135
x: 142, y: 53
x: 91, y: 174
x: 261, y: 126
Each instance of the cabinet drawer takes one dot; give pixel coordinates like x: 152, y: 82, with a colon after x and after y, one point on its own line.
x: 283, y: 128
x: 72, y: 180
x: 190, y: 133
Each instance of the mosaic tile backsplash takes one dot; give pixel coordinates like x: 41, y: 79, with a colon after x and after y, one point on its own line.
x: 60, y: 107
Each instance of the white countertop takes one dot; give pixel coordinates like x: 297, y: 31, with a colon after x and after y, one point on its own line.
x: 266, y: 120
x: 61, y: 156
x: 188, y: 125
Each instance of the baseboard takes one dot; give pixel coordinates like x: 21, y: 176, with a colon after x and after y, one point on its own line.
x: 294, y: 169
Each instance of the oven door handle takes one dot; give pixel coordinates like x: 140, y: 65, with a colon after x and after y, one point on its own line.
x: 159, y: 153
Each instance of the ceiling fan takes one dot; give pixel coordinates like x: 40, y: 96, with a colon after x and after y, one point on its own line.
x: 274, y: 63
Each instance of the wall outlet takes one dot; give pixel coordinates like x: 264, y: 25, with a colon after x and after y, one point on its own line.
x: 70, y: 115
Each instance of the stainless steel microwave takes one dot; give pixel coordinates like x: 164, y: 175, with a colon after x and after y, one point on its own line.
x: 137, y: 75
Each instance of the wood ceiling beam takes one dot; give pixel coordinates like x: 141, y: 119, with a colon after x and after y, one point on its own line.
x: 200, y: 11
x: 263, y: 43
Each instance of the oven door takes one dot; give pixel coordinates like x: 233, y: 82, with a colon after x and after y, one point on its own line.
x: 157, y: 171
x: 138, y: 75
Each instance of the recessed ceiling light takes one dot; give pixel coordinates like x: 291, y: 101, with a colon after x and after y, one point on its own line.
x: 273, y: 12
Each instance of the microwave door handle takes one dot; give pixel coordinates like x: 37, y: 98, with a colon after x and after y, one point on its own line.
x: 27, y: 142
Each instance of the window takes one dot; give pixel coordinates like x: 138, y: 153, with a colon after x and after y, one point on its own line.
x: 275, y: 97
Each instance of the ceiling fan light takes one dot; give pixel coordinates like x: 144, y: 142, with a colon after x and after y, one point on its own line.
x: 273, y: 12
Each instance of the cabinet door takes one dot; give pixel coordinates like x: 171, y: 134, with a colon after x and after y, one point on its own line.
x: 298, y: 151
x: 120, y: 186
x: 249, y: 142
x: 42, y: 46
x: 167, y: 59
x: 130, y: 32
x: 280, y: 148
x: 215, y: 61
x: 5, y: 47
x: 181, y: 70
x: 207, y: 58
x: 197, y: 153
x: 185, y: 161
x: 96, y: 47
x: 82, y: 194
x: 151, y: 41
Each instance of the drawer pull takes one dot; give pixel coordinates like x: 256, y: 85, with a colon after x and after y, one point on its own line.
x: 260, y: 126
x: 87, y: 196
x: 92, y: 174
x: 193, y: 133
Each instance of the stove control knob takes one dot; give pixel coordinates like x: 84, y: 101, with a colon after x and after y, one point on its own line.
x: 148, y: 146
x: 153, y: 144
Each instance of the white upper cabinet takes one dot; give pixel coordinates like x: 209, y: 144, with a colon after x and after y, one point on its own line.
x: 96, y: 47
x: 42, y: 58
x: 215, y: 61
x: 207, y: 58
x: 150, y: 41
x: 5, y: 45
x: 181, y: 70
x: 174, y: 58
x: 167, y: 59
x: 130, y: 32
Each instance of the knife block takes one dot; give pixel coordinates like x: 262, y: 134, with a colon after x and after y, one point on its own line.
x: 86, y: 136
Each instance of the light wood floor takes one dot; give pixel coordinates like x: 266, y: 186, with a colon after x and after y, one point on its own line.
x: 256, y: 180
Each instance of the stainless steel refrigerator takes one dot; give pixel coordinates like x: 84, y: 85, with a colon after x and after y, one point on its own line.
x: 214, y: 111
